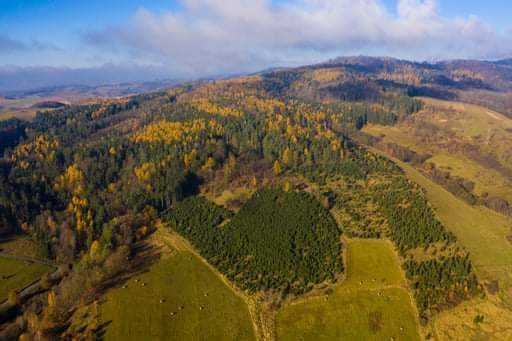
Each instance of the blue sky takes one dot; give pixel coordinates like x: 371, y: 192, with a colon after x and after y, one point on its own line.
x: 205, y: 37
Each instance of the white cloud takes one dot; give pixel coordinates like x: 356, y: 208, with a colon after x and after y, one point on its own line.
x: 209, y: 37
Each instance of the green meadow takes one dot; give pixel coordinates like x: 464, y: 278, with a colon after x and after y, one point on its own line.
x: 373, y: 303
x: 179, y: 298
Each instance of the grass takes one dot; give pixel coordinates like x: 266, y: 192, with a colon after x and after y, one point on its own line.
x: 21, y: 246
x: 466, y: 120
x: 14, y: 275
x: 485, y: 179
x: 374, y: 263
x: 23, y: 114
x: 241, y: 194
x: 459, y: 123
x: 397, y: 134
x: 181, y: 280
x: 371, y: 304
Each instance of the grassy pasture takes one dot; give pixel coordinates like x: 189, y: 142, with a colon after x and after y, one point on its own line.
x: 15, y: 274
x: 21, y: 246
x: 489, y: 131
x: 210, y: 310
x: 371, y: 304
x: 485, y: 179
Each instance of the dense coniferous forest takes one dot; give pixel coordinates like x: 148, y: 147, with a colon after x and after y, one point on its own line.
x: 412, y: 222
x: 284, y: 241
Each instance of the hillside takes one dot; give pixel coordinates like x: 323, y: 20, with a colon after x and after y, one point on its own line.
x: 280, y: 196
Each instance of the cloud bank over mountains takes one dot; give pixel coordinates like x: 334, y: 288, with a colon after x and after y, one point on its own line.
x: 204, y: 38
x: 207, y: 37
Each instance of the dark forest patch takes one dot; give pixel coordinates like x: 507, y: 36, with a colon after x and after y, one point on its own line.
x: 284, y: 241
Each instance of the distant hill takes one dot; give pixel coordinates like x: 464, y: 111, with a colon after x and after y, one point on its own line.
x: 374, y: 78
x: 87, y: 91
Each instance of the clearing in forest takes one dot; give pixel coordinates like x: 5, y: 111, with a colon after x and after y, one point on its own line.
x: 373, y: 303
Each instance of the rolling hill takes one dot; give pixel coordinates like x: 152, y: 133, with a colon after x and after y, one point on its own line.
x: 357, y: 198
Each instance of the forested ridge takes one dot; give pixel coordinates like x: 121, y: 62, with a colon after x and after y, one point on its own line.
x: 89, y: 183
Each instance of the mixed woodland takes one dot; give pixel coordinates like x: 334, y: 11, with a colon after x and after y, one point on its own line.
x: 89, y: 183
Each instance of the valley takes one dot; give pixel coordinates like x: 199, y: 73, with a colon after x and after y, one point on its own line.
x: 333, y: 201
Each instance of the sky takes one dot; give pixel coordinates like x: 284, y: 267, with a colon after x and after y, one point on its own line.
x: 122, y: 40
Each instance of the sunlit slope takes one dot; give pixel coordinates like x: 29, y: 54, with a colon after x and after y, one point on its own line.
x: 179, y: 298
x: 483, y: 232
x: 466, y: 140
x: 373, y: 303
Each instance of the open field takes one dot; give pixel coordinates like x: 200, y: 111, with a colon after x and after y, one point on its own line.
x: 485, y: 179
x: 371, y: 304
x: 230, y: 196
x: 466, y: 120
x: 210, y: 310
x: 21, y: 246
x: 15, y: 274
x: 466, y: 135
x: 483, y: 232
x: 399, y: 135
x: 20, y: 108
x: 24, y: 114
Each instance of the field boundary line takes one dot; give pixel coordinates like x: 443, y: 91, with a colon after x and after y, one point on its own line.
x: 253, y: 306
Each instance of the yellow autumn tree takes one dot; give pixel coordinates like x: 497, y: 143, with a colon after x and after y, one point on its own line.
x: 210, y: 164
x: 95, y: 251
x: 71, y: 181
x: 277, y: 168
x: 287, y: 157
x: 52, y: 299
x: 254, y: 181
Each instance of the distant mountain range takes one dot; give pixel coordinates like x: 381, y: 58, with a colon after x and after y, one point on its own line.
x: 68, y: 92
x: 351, y: 78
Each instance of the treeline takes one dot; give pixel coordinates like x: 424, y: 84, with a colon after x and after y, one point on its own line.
x: 12, y: 132
x: 441, y: 283
x: 280, y: 241
x: 411, y: 220
x: 446, y: 278
x: 458, y: 186
x: 403, y: 153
